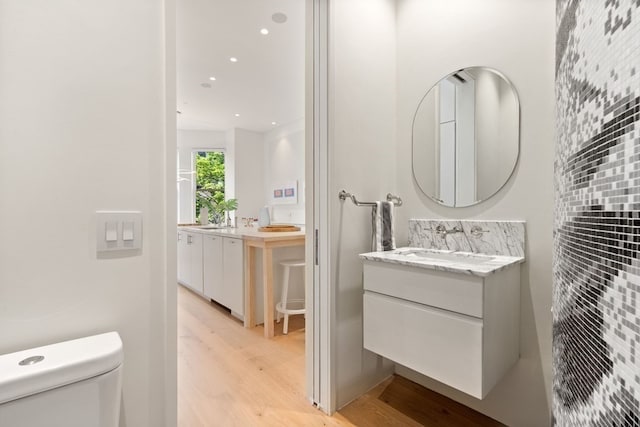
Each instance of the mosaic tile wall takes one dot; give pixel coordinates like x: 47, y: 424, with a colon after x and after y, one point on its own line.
x: 596, y: 316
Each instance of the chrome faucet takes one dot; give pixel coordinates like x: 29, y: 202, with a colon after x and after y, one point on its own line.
x: 442, y: 231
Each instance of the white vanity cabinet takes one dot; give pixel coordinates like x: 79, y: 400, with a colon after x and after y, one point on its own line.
x: 460, y: 329
x: 190, y: 268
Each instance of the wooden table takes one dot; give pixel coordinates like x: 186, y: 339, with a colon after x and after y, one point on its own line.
x: 265, y: 241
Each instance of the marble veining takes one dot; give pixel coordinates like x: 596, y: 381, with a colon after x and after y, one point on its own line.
x: 239, y: 232
x: 460, y: 262
x: 505, y: 238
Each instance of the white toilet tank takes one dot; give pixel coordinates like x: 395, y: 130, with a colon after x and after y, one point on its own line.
x: 69, y: 384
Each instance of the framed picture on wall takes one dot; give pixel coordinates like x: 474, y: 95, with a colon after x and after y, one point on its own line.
x: 285, y: 194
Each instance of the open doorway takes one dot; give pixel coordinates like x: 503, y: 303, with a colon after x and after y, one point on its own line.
x: 241, y: 105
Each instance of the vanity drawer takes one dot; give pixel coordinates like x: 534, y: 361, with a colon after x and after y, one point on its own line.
x: 442, y: 345
x: 460, y: 293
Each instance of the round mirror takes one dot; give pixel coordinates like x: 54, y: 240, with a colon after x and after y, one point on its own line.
x: 466, y: 134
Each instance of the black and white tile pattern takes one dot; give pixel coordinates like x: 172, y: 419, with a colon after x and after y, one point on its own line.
x: 596, y: 329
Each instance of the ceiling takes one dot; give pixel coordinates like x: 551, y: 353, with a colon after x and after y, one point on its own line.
x: 265, y: 85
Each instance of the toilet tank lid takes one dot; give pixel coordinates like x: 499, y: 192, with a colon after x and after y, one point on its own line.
x: 63, y: 363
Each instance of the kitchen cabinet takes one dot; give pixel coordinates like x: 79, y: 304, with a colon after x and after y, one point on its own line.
x: 213, y: 268
x: 233, y: 275
x: 222, y: 261
x: 184, y: 258
x: 190, y: 267
x: 222, y: 267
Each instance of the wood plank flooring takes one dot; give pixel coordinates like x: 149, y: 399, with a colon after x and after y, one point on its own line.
x: 232, y: 376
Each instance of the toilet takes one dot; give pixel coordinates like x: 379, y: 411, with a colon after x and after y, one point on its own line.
x: 74, y: 383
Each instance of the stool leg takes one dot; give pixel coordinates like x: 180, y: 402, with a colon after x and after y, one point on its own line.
x: 285, y: 328
x: 285, y: 291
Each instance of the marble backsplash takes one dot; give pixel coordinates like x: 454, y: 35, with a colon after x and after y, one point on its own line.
x: 495, y: 238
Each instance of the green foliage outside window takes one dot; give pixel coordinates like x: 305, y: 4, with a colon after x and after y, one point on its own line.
x: 210, y: 183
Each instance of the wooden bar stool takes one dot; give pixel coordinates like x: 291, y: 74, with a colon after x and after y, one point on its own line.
x: 289, y: 306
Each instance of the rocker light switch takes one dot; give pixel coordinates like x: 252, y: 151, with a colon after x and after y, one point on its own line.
x: 111, y: 231
x: 127, y: 231
x: 118, y: 231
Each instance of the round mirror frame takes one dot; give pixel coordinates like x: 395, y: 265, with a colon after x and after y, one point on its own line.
x: 517, y: 145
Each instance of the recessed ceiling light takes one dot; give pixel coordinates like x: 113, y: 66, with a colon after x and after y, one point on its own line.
x: 233, y: 59
x: 237, y: 115
x: 212, y: 78
x: 206, y: 85
x: 279, y: 18
x: 274, y: 123
x: 264, y: 31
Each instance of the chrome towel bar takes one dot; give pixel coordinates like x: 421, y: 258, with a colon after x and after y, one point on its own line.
x: 397, y: 201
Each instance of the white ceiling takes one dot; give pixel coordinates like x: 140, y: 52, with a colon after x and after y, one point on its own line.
x: 266, y: 84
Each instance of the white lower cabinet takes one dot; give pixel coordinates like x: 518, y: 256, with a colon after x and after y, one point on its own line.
x: 433, y: 342
x: 190, y: 269
x: 184, y: 259
x: 459, y: 329
x: 223, y: 272
x: 213, y: 267
x: 233, y: 275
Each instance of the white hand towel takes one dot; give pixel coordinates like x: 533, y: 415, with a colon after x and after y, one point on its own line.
x: 382, y: 227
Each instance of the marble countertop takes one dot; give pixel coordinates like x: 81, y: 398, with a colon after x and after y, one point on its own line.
x: 463, y: 262
x: 243, y: 232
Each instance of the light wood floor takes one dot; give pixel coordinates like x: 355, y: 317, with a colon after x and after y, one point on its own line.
x: 232, y: 376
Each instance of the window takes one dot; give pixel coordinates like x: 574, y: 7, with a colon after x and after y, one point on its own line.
x: 209, y: 183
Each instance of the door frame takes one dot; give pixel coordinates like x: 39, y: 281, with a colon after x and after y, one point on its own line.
x: 319, y: 348
x: 320, y: 351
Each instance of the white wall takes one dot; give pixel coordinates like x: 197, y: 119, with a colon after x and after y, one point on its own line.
x: 84, y: 126
x: 435, y: 38
x: 284, y: 163
x: 362, y: 153
x: 188, y: 142
x: 245, y: 154
x: 194, y: 139
x: 230, y: 165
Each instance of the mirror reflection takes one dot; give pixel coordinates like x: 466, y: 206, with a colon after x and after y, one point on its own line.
x: 466, y: 137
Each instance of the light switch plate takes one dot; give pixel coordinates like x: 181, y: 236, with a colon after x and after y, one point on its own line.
x: 128, y: 231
